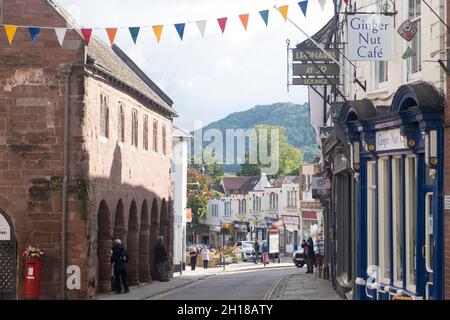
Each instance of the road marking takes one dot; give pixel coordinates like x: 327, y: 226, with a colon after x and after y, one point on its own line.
x: 269, y: 293
x: 178, y: 289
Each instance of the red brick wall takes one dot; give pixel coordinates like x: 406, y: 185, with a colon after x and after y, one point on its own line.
x: 447, y: 181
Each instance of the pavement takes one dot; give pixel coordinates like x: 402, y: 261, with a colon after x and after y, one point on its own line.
x: 188, y: 278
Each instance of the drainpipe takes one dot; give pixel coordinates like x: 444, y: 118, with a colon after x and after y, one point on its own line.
x: 66, y: 70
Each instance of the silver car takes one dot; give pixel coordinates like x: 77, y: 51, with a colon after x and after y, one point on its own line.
x: 245, y: 250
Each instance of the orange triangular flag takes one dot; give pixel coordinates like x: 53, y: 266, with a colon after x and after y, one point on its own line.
x: 244, y: 20
x: 284, y: 11
x: 111, y: 34
x: 10, y: 33
x: 158, y: 31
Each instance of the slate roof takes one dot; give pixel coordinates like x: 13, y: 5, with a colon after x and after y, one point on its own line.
x: 240, y: 185
x: 285, y: 180
x: 323, y: 36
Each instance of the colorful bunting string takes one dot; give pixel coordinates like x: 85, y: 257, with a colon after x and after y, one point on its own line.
x: 34, y: 31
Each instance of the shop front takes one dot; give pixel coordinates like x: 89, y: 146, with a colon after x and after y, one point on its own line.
x: 241, y: 230
x: 291, y: 231
x: 397, y: 161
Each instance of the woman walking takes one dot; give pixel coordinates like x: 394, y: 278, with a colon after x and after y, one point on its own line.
x: 193, y: 256
x: 205, y: 257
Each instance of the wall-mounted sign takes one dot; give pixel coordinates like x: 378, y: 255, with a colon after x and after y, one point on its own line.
x: 447, y: 202
x: 307, y: 55
x: 320, y: 183
x: 318, y: 69
x: 390, y: 140
x: 315, y: 81
x: 188, y: 215
x: 291, y: 221
x: 370, y: 37
x: 407, y: 30
x: 5, y: 229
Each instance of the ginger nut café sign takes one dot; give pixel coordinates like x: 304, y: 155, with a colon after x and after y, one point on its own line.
x: 370, y: 37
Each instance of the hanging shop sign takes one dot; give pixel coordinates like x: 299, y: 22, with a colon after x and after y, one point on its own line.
x: 370, y: 37
x: 390, y: 140
x: 315, y: 81
x: 407, y: 30
x: 316, y: 55
x: 309, y: 69
x: 5, y: 229
x: 320, y: 187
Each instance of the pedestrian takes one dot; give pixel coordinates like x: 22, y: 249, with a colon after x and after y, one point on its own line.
x: 119, y: 259
x: 193, y: 256
x: 265, y: 252
x: 205, y: 257
x: 161, y: 259
x: 309, y: 255
x: 256, y: 249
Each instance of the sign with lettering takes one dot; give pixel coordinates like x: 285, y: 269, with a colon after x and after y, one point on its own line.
x: 306, y: 55
x: 370, y: 37
x: 390, y: 140
x: 315, y: 81
x: 318, y: 69
x: 5, y: 229
x: 188, y: 215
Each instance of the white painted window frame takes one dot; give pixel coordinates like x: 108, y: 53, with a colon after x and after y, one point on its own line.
x: 410, y: 207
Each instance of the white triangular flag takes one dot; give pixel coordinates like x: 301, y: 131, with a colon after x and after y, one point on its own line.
x: 322, y: 4
x: 61, y: 34
x: 202, y: 26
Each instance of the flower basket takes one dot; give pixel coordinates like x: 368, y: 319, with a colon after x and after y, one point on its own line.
x: 32, y: 252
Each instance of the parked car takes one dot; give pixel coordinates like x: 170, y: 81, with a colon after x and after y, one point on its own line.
x: 245, y: 250
x: 299, y: 259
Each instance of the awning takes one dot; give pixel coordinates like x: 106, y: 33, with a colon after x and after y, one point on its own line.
x: 310, y: 215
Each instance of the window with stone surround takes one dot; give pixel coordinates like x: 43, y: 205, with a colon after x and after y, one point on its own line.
x: 164, y: 139
x: 121, y: 124
x: 134, y: 128
x: 155, y: 135
x: 1, y: 11
x: 145, y: 140
x: 104, y: 117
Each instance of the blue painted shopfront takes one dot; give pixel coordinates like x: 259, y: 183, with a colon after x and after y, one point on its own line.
x: 397, y: 157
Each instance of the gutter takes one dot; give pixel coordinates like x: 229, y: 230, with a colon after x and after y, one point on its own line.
x: 66, y: 70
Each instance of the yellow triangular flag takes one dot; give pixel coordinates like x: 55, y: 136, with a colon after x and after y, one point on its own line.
x: 158, y: 30
x: 284, y: 11
x: 10, y: 33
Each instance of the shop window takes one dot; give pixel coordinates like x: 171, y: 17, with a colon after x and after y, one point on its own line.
x: 411, y: 221
x: 384, y: 243
x: 414, y: 63
x: 371, y: 215
x: 397, y: 219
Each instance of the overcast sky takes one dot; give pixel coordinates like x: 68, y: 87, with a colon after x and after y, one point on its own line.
x: 208, y: 78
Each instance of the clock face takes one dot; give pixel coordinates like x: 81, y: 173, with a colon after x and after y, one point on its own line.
x: 407, y: 30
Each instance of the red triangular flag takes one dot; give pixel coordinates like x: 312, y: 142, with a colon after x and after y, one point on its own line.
x: 346, y: 2
x: 222, y: 23
x: 87, y: 33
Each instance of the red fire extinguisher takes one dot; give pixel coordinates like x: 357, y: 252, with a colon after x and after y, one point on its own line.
x: 33, y: 264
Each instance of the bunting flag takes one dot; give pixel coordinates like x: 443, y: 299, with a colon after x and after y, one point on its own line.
x: 157, y: 30
x: 303, y: 6
x: 265, y: 16
x: 284, y: 11
x: 201, y: 25
x: 87, y: 33
x: 61, y: 35
x: 34, y: 33
x: 134, y: 31
x: 244, y: 20
x: 222, y: 23
x: 180, y: 29
x: 322, y: 4
x: 111, y: 34
x: 10, y: 33
x: 346, y: 2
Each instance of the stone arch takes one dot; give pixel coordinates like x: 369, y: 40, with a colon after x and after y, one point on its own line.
x: 154, y: 233
x: 104, y: 244
x: 144, y: 244
x: 119, y: 223
x: 8, y: 258
x: 133, y: 245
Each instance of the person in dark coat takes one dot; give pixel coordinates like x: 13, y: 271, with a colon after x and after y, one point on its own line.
x: 119, y: 259
x: 309, y: 254
x: 256, y: 249
x: 193, y: 256
x: 161, y: 259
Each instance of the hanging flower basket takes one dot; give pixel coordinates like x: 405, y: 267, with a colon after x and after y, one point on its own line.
x: 32, y: 252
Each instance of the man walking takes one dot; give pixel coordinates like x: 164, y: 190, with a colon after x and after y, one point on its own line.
x: 119, y: 259
x: 256, y: 248
x: 161, y: 259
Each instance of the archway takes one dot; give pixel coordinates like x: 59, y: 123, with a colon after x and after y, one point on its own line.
x: 144, y: 245
x: 119, y: 222
x: 8, y: 259
x: 164, y: 230
x: 104, y: 241
x: 133, y: 245
x: 154, y: 233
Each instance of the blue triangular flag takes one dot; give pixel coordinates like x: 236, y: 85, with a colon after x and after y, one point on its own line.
x: 304, y: 6
x: 34, y: 32
x: 265, y: 15
x: 180, y: 29
x: 134, y: 31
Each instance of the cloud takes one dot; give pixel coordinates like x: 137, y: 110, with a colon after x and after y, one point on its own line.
x: 210, y: 77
